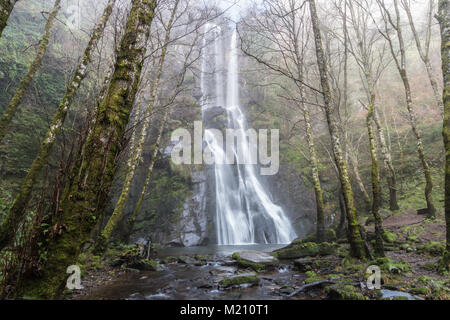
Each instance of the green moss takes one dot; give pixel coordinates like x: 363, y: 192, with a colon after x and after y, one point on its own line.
x: 202, y: 257
x: 151, y: 265
x: 344, y: 292
x: 311, y: 277
x: 309, y: 249
x: 258, y: 267
x: 388, y: 266
x: 430, y: 266
x: 432, y: 248
x: 389, y: 237
x: 238, y: 280
x: 169, y: 260
x: 352, y: 265
x: 422, y: 291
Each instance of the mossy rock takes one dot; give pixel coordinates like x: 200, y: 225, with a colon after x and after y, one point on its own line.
x: 344, y: 292
x: 132, y: 259
x: 433, y: 248
x: 387, y: 265
x: 202, y: 257
x: 287, y: 290
x: 308, y: 249
x: 239, y: 280
x: 258, y: 261
x: 311, y: 277
x: 352, y: 265
x: 169, y: 260
x: 304, y: 264
x: 389, y: 236
x: 425, y: 291
x: 145, y: 265
x: 407, y: 247
x: 330, y: 236
x: 186, y: 260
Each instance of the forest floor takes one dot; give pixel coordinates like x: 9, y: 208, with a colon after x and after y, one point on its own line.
x: 409, y: 271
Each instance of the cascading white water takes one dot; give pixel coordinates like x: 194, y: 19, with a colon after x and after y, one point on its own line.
x: 245, y: 214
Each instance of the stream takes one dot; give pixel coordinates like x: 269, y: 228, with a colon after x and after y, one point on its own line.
x: 192, y: 281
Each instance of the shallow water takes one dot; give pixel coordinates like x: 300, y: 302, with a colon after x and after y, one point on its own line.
x: 190, y: 282
x: 217, y: 250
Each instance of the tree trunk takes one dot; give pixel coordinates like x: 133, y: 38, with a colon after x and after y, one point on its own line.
x: 424, y: 52
x: 320, y: 231
x: 6, y: 7
x: 444, y: 21
x: 423, y: 159
x: 20, y: 203
x: 401, y: 66
x: 387, y: 159
x: 87, y: 197
x: 359, y: 182
x: 357, y: 248
x: 341, y: 227
x: 133, y: 161
x: 379, y: 247
x: 10, y: 111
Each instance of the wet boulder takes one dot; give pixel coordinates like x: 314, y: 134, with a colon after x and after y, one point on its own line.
x: 258, y: 261
x: 309, y: 249
x: 187, y: 260
x: 304, y: 264
x: 132, y: 259
x: 342, y: 291
x: 248, y: 278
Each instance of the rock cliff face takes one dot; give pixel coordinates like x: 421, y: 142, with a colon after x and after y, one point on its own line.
x: 192, y: 229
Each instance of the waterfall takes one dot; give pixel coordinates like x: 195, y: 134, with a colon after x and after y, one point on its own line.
x: 245, y: 213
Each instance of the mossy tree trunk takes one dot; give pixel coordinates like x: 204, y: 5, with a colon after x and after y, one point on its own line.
x: 320, y: 204
x: 395, y: 22
x: 354, y: 162
x: 444, y: 22
x: 20, y: 203
x: 6, y: 7
x: 87, y: 196
x: 387, y: 159
x: 135, y: 155
x: 320, y: 210
x: 14, y: 103
x: 357, y: 247
x: 379, y: 247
